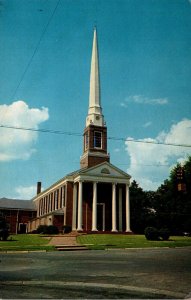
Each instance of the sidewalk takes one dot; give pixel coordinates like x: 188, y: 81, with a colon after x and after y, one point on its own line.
x: 66, y: 242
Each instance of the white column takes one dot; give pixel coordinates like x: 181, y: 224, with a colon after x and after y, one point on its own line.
x: 94, y: 207
x: 127, y: 210
x: 120, y: 210
x: 74, y: 206
x: 114, y: 227
x: 80, y: 207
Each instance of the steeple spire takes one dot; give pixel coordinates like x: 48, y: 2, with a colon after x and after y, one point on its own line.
x: 95, y: 133
x: 95, y: 116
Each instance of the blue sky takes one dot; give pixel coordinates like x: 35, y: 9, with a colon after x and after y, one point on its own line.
x: 145, y: 70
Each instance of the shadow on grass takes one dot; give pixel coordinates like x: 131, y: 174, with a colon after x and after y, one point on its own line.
x: 10, y: 239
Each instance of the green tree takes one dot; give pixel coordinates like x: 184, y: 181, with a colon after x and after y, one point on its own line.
x: 142, y: 215
x: 173, y: 207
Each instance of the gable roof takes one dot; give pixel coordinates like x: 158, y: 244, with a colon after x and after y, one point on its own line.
x: 6, y: 203
x: 105, y: 171
x: 107, y: 166
x: 101, y: 171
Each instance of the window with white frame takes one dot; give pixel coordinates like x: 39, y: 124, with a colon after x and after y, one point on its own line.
x: 97, y: 139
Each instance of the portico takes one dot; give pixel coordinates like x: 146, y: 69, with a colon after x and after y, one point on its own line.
x: 101, y: 200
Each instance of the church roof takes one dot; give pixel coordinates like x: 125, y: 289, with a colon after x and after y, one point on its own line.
x: 102, y: 170
x: 6, y: 203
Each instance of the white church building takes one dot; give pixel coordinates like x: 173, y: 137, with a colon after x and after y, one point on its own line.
x: 94, y: 198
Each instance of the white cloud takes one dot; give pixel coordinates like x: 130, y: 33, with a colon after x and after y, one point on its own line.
x: 25, y: 192
x: 19, y: 144
x: 140, y: 99
x: 150, y: 164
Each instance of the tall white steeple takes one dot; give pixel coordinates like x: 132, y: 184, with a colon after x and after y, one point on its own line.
x: 95, y: 132
x: 95, y: 116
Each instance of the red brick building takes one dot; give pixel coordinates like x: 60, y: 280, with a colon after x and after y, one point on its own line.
x: 17, y: 213
x: 95, y: 197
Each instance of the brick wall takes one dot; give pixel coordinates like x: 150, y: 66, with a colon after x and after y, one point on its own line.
x: 16, y: 217
x: 58, y: 221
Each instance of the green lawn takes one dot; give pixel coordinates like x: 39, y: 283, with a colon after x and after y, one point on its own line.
x: 104, y: 241
x: 25, y: 242
x: 30, y: 242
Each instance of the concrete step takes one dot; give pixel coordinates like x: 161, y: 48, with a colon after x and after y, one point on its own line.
x: 70, y: 247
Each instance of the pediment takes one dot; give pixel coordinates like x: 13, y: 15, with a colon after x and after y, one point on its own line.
x: 105, y: 170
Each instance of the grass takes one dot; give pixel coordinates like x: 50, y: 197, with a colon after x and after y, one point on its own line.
x: 34, y: 242
x: 28, y: 242
x: 104, y: 241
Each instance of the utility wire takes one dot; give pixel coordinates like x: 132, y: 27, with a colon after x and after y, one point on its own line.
x: 79, y: 134
x: 36, y: 49
x: 71, y: 133
x: 42, y: 130
x: 149, y: 142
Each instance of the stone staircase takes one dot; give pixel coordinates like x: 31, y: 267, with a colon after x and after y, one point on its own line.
x: 66, y: 242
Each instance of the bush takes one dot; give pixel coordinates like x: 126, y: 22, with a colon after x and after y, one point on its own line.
x: 42, y: 229
x: 164, y: 233
x: 67, y: 229
x: 4, y: 228
x: 151, y: 234
x: 45, y: 229
x: 52, y: 229
x: 4, y: 233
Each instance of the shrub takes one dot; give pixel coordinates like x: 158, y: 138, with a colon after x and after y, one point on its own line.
x: 45, y: 229
x: 151, y: 233
x: 42, y: 229
x: 67, y: 229
x: 4, y: 233
x: 4, y: 228
x: 52, y: 229
x: 164, y: 233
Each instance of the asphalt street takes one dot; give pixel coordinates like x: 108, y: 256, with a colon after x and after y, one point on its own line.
x: 148, y: 273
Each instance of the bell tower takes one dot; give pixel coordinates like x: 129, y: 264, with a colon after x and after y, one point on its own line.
x: 95, y: 133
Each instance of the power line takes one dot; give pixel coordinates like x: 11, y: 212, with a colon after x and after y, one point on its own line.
x: 79, y: 134
x: 150, y: 142
x: 35, y: 50
x: 42, y: 130
x: 146, y: 165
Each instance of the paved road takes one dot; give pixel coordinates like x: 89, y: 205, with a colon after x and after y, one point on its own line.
x: 157, y: 273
